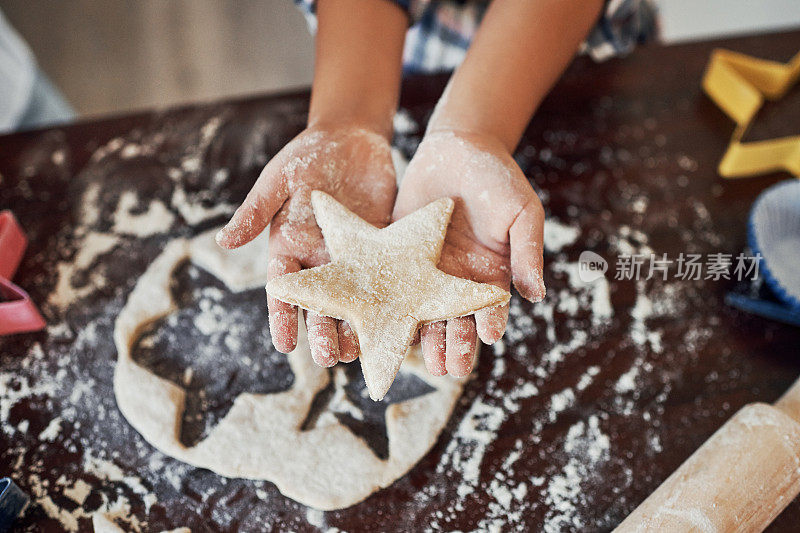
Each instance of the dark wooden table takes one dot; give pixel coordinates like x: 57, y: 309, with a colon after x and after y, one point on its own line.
x: 569, y: 429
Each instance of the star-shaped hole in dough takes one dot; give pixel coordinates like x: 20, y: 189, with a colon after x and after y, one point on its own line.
x: 346, y: 400
x: 215, y: 348
x: 384, y: 282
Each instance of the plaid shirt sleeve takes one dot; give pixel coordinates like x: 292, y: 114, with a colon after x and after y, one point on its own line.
x: 441, y: 30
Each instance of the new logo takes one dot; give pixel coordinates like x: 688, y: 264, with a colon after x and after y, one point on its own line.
x: 591, y: 266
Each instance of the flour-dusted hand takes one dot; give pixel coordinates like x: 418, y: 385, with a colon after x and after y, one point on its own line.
x: 496, y: 229
x: 344, y: 152
x: 352, y: 164
x: 495, y: 235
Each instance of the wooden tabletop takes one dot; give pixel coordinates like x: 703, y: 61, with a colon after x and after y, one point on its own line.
x: 592, y: 401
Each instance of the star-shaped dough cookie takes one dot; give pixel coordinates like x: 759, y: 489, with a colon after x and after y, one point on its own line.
x: 383, y: 282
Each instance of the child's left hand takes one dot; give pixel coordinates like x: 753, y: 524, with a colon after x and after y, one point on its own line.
x: 495, y: 235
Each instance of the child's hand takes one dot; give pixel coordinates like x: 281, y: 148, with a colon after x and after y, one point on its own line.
x: 352, y: 164
x: 495, y: 234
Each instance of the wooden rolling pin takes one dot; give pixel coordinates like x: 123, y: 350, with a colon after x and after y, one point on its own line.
x: 740, y: 479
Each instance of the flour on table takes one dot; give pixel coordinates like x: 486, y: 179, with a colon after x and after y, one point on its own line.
x: 642, y: 310
x: 558, y: 235
x: 52, y: 430
x: 108, y: 471
x: 195, y: 212
x: 130, y: 220
x: 340, y: 403
x: 403, y: 123
x: 104, y: 523
x: 596, y: 294
x: 67, y: 369
x: 92, y: 245
x: 627, y: 381
x: 78, y: 492
x: 155, y: 219
x: 69, y: 515
x: 585, y: 446
x: 569, y: 319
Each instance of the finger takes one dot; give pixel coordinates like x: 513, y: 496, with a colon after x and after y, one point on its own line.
x: 432, y: 338
x: 256, y: 212
x: 490, y: 323
x: 348, y: 343
x: 526, y: 236
x: 323, y: 339
x: 460, y: 351
x: 282, y: 316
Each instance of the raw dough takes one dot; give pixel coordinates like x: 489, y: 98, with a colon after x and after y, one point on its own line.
x: 384, y: 282
x: 326, y: 467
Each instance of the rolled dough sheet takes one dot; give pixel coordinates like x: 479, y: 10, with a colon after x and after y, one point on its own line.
x: 324, y: 467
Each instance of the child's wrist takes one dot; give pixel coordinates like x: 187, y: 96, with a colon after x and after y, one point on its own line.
x: 484, y: 140
x: 331, y: 111
x: 471, y: 125
x: 358, y: 64
x: 340, y: 121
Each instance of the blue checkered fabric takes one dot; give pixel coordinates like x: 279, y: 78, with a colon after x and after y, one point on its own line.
x: 440, y: 30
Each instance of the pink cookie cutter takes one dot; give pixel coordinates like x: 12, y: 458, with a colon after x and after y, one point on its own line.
x: 18, y: 314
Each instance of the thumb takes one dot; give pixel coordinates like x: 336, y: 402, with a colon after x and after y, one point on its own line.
x: 526, y: 237
x: 262, y: 202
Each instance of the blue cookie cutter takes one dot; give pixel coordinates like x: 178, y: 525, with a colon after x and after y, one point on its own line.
x: 774, y: 221
x: 13, y: 503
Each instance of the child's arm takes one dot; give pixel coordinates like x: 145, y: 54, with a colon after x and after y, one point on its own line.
x: 359, y: 50
x: 343, y: 151
x: 496, y: 232
x: 520, y: 50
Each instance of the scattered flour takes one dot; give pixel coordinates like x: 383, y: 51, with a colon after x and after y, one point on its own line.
x: 52, y: 430
x: 585, y: 447
x: 70, y: 515
x: 595, y: 295
x: 78, y: 492
x: 94, y: 244
x: 627, y: 381
x: 558, y: 235
x: 91, y: 246
x: 155, y: 219
x: 641, y: 311
x: 629, y: 241
x: 108, y: 471
x: 14, y: 388
x: 339, y: 403
x: 587, y: 378
x: 465, y: 452
x: 403, y: 123
x: 316, y: 518
x: 195, y: 213
x: 561, y: 401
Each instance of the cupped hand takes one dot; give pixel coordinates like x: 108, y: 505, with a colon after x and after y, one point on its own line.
x: 352, y: 164
x: 495, y: 235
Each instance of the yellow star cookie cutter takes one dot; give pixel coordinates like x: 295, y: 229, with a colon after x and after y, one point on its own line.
x: 738, y: 84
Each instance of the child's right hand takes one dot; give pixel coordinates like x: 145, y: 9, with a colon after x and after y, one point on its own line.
x: 495, y: 234
x: 350, y: 163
